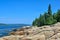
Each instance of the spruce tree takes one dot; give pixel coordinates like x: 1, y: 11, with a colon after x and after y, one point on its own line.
x: 55, y: 18
x: 41, y: 21
x: 49, y: 16
x: 49, y: 10
x: 58, y: 16
x: 45, y: 18
x: 35, y: 22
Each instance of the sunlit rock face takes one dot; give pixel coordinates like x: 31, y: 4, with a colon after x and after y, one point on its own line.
x: 51, y: 32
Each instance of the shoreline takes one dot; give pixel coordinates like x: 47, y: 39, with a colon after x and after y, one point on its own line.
x: 35, y: 33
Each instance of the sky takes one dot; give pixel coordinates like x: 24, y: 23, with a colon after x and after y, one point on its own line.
x: 24, y: 11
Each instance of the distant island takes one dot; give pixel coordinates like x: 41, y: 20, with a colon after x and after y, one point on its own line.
x: 2, y: 24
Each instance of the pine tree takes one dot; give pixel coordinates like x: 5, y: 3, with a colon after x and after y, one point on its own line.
x: 55, y: 18
x: 45, y: 18
x: 49, y: 10
x: 35, y: 22
x: 58, y: 16
x: 41, y: 21
x: 49, y: 16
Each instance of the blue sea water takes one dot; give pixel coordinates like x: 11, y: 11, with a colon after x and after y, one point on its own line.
x: 4, y: 29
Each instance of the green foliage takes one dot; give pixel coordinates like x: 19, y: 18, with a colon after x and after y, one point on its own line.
x: 47, y: 18
x: 58, y: 16
x: 41, y: 20
x: 55, y: 17
x: 49, y: 10
x: 35, y: 22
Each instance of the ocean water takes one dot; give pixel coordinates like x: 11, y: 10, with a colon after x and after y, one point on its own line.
x: 5, y: 29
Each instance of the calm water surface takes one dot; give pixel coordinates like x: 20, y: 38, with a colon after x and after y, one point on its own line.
x: 4, y: 30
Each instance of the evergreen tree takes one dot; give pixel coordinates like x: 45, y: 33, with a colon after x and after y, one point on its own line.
x: 49, y: 10
x: 58, y: 16
x: 45, y: 18
x: 55, y: 17
x: 35, y: 22
x: 49, y: 16
x: 40, y: 20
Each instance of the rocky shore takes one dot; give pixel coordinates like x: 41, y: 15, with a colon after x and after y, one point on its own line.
x: 51, y: 32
